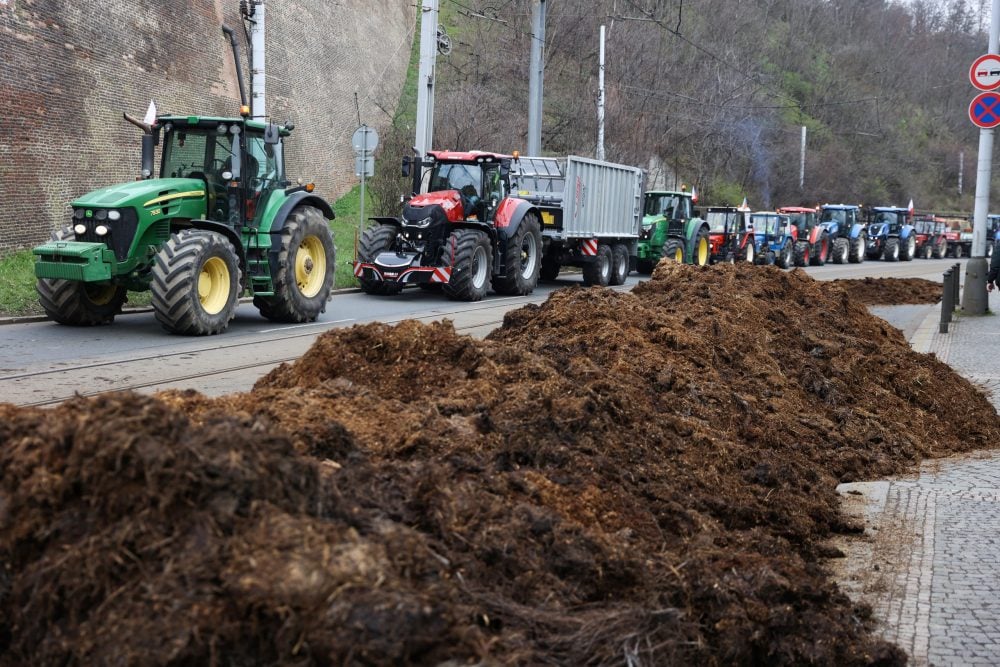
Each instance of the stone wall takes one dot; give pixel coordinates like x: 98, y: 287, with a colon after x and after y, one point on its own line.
x: 69, y: 69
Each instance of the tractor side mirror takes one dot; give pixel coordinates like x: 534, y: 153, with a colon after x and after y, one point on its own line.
x: 406, y: 166
x: 271, y: 134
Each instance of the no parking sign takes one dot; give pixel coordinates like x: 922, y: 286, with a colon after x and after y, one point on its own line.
x: 984, y: 111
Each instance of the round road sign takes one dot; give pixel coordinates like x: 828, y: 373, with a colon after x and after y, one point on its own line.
x: 365, y: 140
x: 985, y: 72
x: 984, y: 110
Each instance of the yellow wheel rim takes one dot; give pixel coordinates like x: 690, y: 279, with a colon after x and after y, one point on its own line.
x: 100, y: 295
x: 310, y: 266
x: 702, y: 252
x: 679, y: 255
x: 213, y: 285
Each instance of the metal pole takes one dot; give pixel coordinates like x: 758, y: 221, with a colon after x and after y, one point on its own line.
x: 802, y: 160
x: 364, y: 164
x: 975, y: 299
x: 600, y: 101
x: 257, y: 56
x: 536, y: 78
x: 961, y: 169
x: 425, y: 77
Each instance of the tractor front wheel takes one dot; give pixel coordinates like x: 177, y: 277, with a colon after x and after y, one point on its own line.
x: 820, y: 251
x: 749, y: 252
x: 470, y: 275
x: 373, y: 241
x: 909, y: 251
x: 521, y: 259
x: 78, y: 303
x: 857, y: 254
x: 673, y: 251
x: 305, y: 269
x: 891, y: 253
x: 598, y: 272
x: 196, y: 283
x: 841, y: 250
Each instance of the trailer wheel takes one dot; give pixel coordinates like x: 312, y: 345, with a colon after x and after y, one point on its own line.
x: 196, y: 279
x: 522, y: 259
x: 910, y: 251
x: 373, y: 241
x: 821, y: 251
x: 801, y: 256
x: 470, y: 274
x: 841, y: 250
x: 891, y: 253
x: 598, y: 272
x: 77, y: 303
x: 619, y: 264
x: 305, y: 269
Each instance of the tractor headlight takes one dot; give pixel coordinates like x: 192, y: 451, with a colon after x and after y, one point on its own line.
x: 101, y: 230
x: 80, y: 229
x: 114, y: 215
x: 421, y: 223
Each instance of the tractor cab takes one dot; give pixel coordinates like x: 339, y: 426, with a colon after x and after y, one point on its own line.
x: 729, y: 232
x: 804, y: 221
x: 465, y: 186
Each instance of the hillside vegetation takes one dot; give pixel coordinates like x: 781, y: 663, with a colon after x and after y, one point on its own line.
x: 715, y: 93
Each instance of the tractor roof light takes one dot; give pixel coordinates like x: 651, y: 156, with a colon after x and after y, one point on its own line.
x: 244, y: 110
x: 310, y: 187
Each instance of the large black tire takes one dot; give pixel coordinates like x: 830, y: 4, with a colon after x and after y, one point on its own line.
x: 891, y: 252
x: 523, y: 259
x: 196, y: 283
x: 857, y: 254
x: 373, y: 241
x: 598, y: 272
x: 644, y: 266
x: 306, y: 264
x: 784, y: 260
x: 470, y: 275
x: 673, y: 251
x: 820, y: 251
x: 550, y: 268
x: 78, y: 303
x: 802, y: 254
x: 619, y: 264
x: 957, y: 251
x: 841, y: 250
x: 926, y: 251
x: 941, y: 250
x: 909, y: 249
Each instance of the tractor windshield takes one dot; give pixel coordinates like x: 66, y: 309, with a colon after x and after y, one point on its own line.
x: 803, y: 221
x: 838, y: 215
x: 196, y: 153
x: 466, y: 178
x: 721, y: 221
x: 660, y: 204
x: 888, y: 217
x: 765, y: 224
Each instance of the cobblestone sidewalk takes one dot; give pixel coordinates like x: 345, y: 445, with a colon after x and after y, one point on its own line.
x: 928, y: 563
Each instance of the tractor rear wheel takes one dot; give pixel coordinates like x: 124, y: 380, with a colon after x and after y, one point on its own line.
x: 802, y: 253
x: 470, y: 274
x: 521, y: 259
x: 784, y: 259
x: 373, y: 241
x: 619, y: 264
x: 196, y: 283
x: 891, y: 252
x: 841, y: 250
x: 78, y: 303
x: 305, y: 269
x: 598, y: 272
x: 702, y: 248
x: 749, y: 253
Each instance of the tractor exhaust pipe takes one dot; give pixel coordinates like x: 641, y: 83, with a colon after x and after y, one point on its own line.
x: 148, y: 144
x: 239, y: 70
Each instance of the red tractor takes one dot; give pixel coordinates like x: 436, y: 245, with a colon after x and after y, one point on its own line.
x: 931, y: 241
x: 812, y: 239
x: 730, y: 235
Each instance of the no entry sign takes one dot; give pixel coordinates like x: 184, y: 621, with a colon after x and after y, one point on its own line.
x: 985, y: 110
x: 985, y: 72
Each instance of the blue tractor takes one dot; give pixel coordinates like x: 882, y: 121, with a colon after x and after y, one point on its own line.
x: 773, y: 238
x: 847, y: 231
x: 891, y: 235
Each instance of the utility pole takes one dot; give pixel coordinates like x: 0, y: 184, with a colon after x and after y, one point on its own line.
x: 961, y: 169
x: 425, y: 78
x: 600, y: 100
x: 536, y: 76
x: 975, y: 298
x: 258, y: 108
x: 802, y: 160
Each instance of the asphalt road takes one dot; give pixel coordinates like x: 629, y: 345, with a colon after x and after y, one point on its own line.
x: 42, y: 363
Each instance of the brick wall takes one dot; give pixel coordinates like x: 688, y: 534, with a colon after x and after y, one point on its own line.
x: 68, y: 71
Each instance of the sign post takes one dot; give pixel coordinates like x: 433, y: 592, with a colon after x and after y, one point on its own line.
x: 364, y: 142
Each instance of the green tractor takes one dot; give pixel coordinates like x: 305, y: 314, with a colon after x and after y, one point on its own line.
x: 221, y: 220
x: 671, y: 229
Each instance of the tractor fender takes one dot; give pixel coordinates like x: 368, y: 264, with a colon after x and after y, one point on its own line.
x: 905, y: 232
x: 387, y: 220
x: 298, y: 199
x: 220, y: 228
x: 506, y: 221
x: 857, y: 230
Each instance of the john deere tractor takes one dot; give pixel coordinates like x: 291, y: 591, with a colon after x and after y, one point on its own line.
x: 221, y: 220
x: 671, y: 229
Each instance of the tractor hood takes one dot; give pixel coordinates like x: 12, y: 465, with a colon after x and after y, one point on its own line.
x: 140, y: 194
x: 449, y: 201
